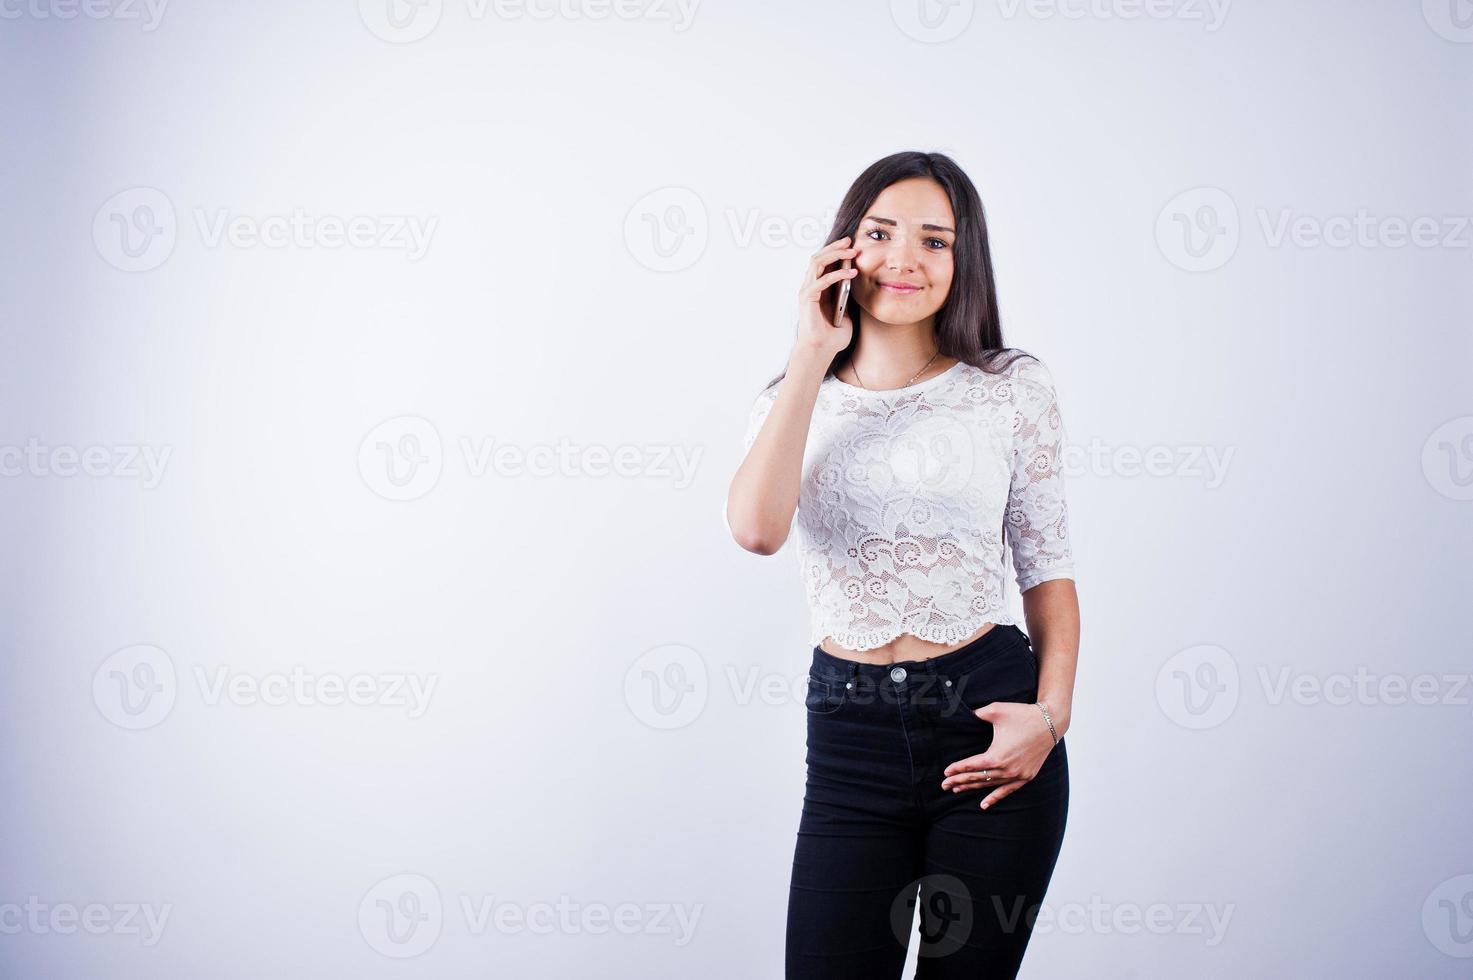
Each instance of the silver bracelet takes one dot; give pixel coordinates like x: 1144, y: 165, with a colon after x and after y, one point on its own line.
x: 1052, y: 731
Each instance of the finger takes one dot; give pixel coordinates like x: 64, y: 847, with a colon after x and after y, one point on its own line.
x: 840, y: 242
x: 984, y: 777
x: 974, y: 763
x: 818, y: 269
x: 814, y: 289
x: 828, y: 255
x: 987, y: 786
x: 1002, y: 793
x: 982, y: 772
x: 976, y: 780
x: 986, y: 711
x: 834, y: 247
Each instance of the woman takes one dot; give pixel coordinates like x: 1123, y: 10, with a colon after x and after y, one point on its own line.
x: 909, y: 447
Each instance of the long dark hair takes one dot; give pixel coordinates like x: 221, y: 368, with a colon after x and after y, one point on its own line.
x: 968, y: 327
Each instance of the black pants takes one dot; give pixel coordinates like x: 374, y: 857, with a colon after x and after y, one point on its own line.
x: 877, y: 830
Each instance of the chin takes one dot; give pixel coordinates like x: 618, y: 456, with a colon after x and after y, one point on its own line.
x: 894, y: 309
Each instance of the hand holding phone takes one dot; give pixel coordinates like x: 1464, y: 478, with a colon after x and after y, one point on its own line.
x: 843, y: 303
x: 821, y: 321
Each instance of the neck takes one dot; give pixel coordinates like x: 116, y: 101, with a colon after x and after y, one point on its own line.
x: 887, y: 355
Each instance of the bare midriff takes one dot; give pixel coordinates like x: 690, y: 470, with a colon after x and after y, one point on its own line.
x: 903, y: 647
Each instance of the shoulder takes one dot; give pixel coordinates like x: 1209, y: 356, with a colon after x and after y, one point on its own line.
x: 1028, y: 376
x: 1026, y: 368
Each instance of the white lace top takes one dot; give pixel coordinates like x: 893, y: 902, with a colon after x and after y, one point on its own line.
x: 908, y: 496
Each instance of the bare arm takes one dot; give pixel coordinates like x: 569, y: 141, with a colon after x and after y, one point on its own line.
x: 764, y: 492
x: 763, y: 496
x: 1052, y: 611
x: 1042, y: 556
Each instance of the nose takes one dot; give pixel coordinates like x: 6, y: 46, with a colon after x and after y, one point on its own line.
x: 900, y: 256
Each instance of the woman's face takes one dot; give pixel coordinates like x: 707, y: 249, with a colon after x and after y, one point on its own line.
x: 905, y: 243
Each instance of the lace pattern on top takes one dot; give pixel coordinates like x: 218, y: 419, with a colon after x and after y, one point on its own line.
x: 909, y: 498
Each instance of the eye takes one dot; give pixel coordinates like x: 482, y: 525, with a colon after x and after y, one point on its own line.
x: 879, y: 235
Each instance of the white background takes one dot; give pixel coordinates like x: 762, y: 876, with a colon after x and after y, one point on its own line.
x: 542, y: 151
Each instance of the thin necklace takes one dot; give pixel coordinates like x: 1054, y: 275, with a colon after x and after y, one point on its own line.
x: 907, y: 384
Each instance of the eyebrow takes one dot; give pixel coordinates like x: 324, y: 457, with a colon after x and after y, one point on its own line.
x: 892, y: 223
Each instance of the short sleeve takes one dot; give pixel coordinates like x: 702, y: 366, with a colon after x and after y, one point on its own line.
x: 758, y: 414
x: 761, y: 406
x: 1036, y: 522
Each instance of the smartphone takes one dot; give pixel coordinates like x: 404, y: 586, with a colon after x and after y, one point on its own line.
x: 843, y: 302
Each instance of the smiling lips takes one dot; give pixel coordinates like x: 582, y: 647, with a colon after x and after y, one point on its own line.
x: 901, y: 288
